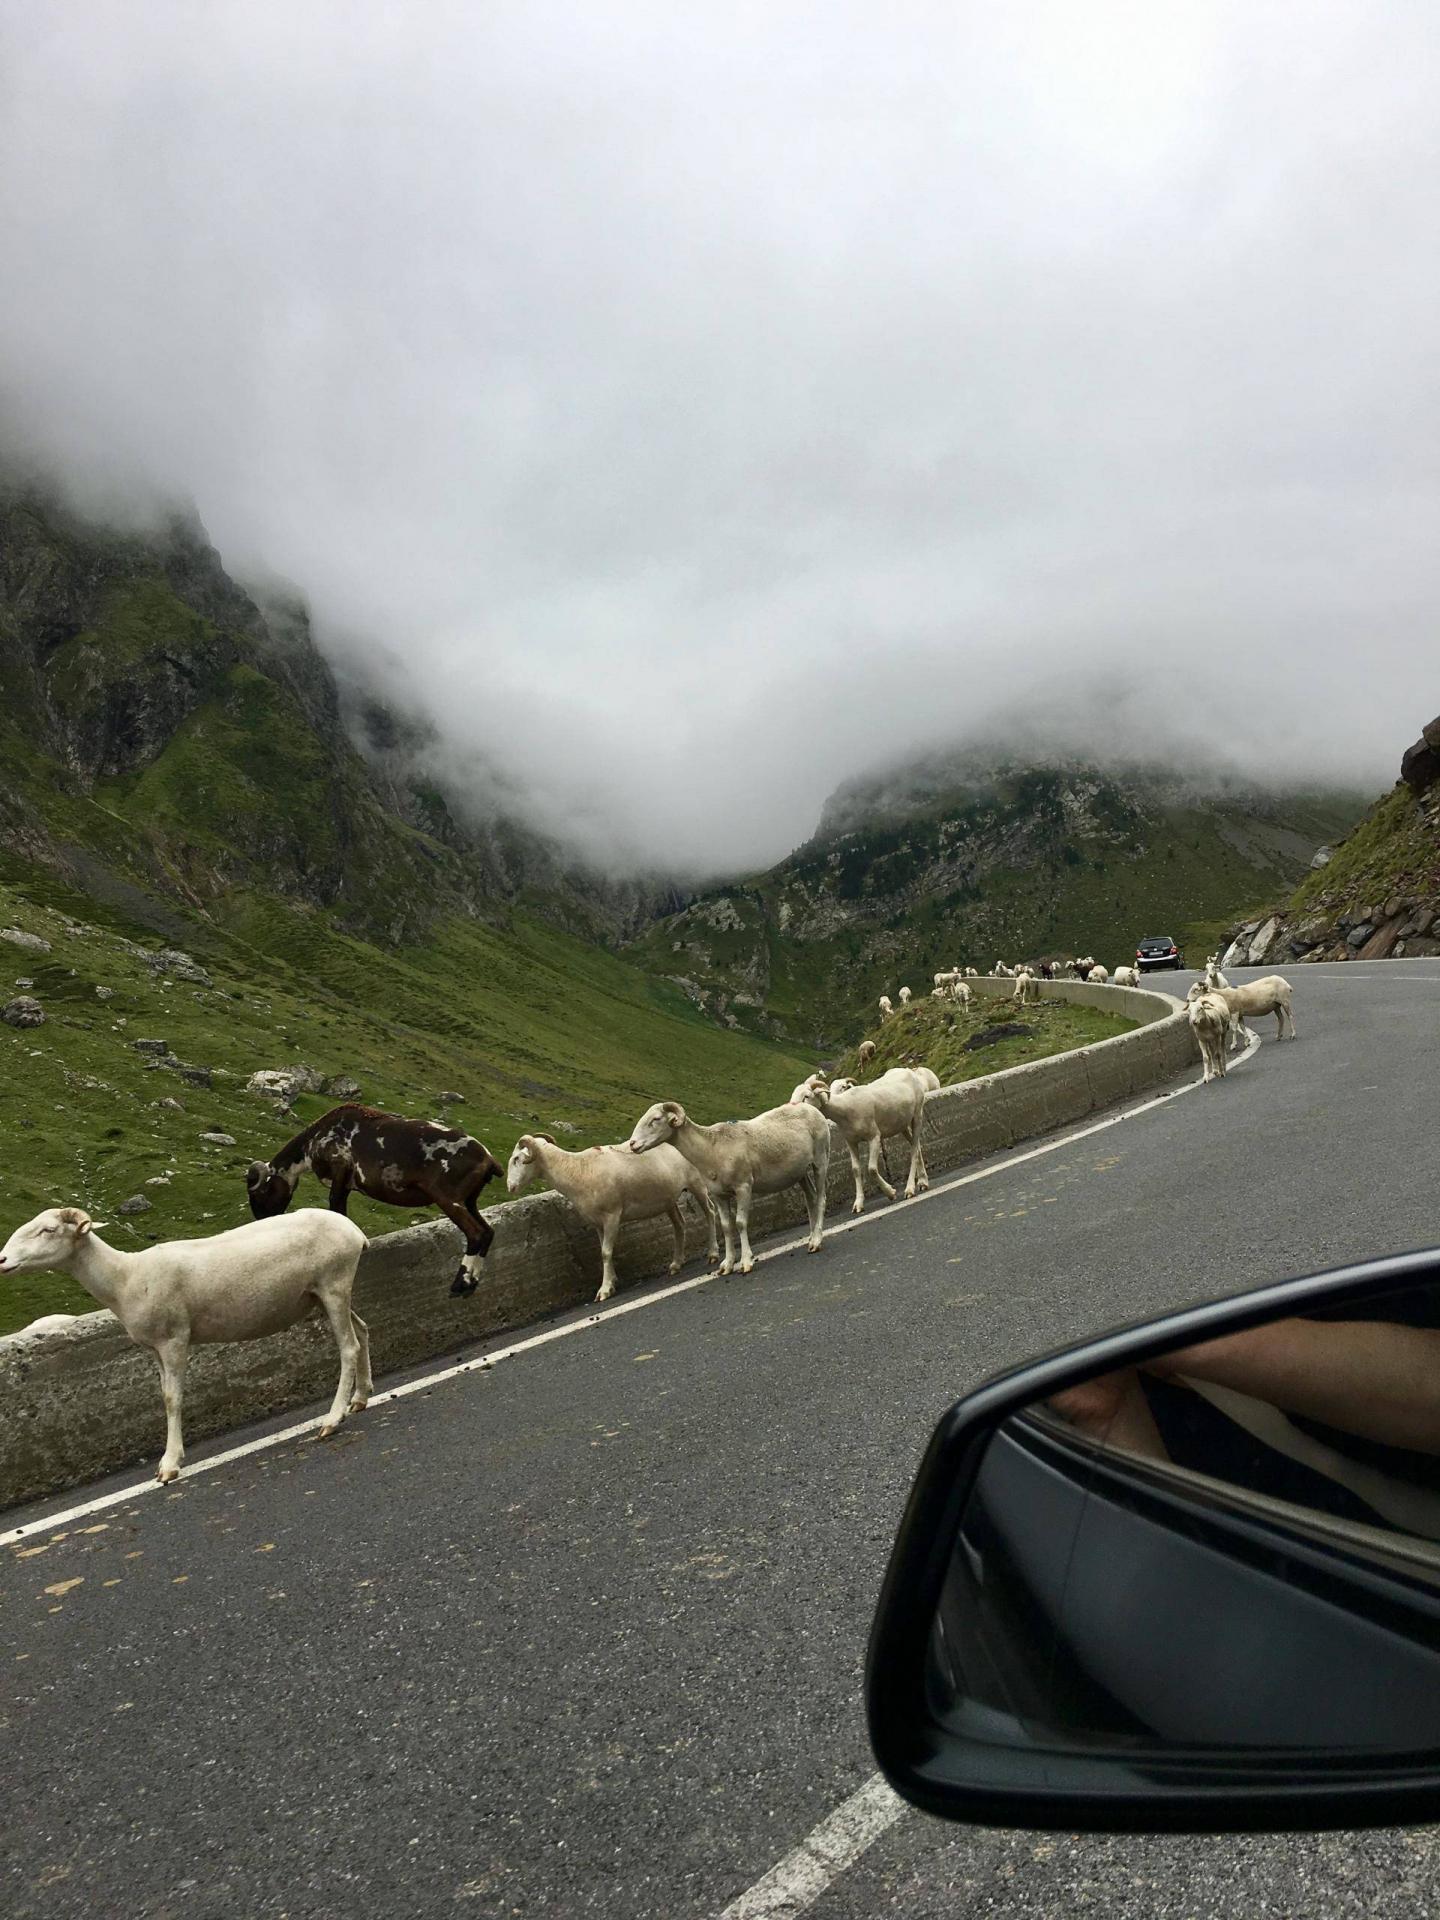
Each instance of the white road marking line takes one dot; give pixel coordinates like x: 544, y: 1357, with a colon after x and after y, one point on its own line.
x: 483, y: 1362
x: 797, y: 1881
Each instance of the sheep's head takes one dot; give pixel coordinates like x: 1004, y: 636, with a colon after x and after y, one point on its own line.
x: 656, y: 1125
x: 808, y: 1089
x: 46, y: 1241
x: 1197, y: 987
x: 522, y: 1168
x: 269, y: 1192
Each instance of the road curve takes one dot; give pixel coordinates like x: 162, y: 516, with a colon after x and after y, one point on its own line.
x: 583, y: 1634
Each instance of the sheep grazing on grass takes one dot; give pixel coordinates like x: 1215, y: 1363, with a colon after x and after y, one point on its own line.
x: 787, y: 1147
x: 939, y: 993
x: 1210, y: 1021
x: 886, y: 1009
x: 609, y: 1185
x: 242, y: 1285
x: 961, y: 992
x: 1027, y: 988
x: 905, y: 996
x: 405, y: 1163
x: 866, y: 1052
x: 1125, y: 977
x: 869, y: 1115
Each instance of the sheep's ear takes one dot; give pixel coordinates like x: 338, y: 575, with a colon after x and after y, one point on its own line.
x: 674, y: 1114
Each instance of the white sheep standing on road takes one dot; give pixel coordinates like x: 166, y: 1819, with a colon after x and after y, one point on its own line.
x: 1100, y: 975
x: 1125, y: 977
x: 869, y: 1115
x: 1271, y: 994
x: 1210, y: 1022
x: 242, y: 1285
x: 787, y: 1147
x: 608, y: 1186
x: 1213, y: 976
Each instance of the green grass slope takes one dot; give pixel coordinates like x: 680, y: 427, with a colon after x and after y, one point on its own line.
x: 934, y: 1033
x: 531, y: 1026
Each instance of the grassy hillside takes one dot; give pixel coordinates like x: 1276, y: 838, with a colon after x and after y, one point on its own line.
x: 935, y: 1033
x: 533, y: 1027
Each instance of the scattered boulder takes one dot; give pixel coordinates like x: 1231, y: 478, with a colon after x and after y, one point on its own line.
x: 1382, y: 942
x: 24, y: 982
x: 284, y: 1083
x: 196, y: 1076
x: 171, y: 960
x: 172, y: 1105
x: 1263, y: 941
x: 219, y: 1139
x: 1358, y: 935
x: 1322, y: 858
x: 451, y: 1099
x: 1310, y: 935
x: 104, y: 993
x: 19, y: 938
x: 1234, y: 954
x: 340, y: 1086
x: 1420, y: 764
x: 161, y: 1047
x: 22, y: 1011
x: 137, y: 1203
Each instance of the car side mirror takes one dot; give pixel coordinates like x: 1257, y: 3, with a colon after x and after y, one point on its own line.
x: 1185, y: 1577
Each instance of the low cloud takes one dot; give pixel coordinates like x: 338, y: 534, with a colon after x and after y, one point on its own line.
x: 693, y: 411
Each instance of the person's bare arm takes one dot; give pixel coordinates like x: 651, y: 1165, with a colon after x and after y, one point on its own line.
x: 1365, y: 1377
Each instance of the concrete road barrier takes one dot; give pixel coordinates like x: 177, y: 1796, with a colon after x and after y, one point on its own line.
x: 82, y: 1401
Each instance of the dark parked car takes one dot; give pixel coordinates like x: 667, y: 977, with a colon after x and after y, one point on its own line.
x: 1184, y: 1577
x: 1158, y: 950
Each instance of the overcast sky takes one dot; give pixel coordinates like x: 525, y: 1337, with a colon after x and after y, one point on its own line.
x: 696, y: 404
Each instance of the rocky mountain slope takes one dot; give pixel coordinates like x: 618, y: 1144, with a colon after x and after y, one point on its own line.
x: 1374, y: 894
x: 972, y: 858
x: 166, y: 738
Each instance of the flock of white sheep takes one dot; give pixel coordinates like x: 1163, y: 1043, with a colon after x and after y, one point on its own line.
x: 953, y: 984
x: 271, y: 1273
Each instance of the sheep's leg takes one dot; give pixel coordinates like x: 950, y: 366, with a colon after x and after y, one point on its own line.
x: 712, y: 1252
x: 337, y: 1312
x: 724, y: 1206
x: 857, y: 1168
x: 609, y: 1232
x: 677, y: 1222
x: 820, y: 1174
x: 923, y: 1172
x: 478, y: 1236
x: 877, y: 1161
x: 339, y: 1198
x: 742, y: 1227
x: 364, y: 1379
x: 916, y: 1162
x: 172, y: 1357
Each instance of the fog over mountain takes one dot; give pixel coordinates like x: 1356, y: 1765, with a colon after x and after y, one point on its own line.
x: 690, y: 409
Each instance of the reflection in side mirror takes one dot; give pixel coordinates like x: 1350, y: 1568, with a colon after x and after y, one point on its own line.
x: 1186, y: 1582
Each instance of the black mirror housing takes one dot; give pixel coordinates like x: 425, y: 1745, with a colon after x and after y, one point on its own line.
x: 1089, y: 1634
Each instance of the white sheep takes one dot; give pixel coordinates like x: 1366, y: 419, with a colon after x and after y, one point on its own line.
x: 961, y: 992
x: 788, y: 1146
x: 608, y: 1186
x: 972, y: 973
x: 1213, y: 976
x: 1268, y: 995
x: 885, y: 1007
x: 242, y: 1285
x: 869, y: 1115
x: 866, y: 1052
x: 1125, y: 977
x: 816, y: 1079
x: 939, y: 993
x: 904, y: 996
x: 1210, y: 1021
x: 1100, y: 975
x: 1027, y: 987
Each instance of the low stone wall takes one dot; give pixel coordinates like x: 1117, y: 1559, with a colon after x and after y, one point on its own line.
x: 83, y: 1401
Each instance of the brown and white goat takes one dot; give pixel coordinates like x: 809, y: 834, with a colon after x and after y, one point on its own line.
x: 405, y: 1163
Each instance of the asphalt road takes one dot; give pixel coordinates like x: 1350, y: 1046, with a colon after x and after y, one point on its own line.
x: 583, y: 1634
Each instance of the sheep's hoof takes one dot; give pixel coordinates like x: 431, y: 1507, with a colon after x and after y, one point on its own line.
x: 359, y: 1403
x: 166, y: 1474
x: 713, y: 1257
x: 462, y: 1283
x: 859, y: 1207
x: 675, y: 1266
x: 605, y: 1293
x: 325, y: 1432
x: 747, y: 1266
x: 814, y: 1246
